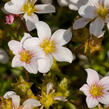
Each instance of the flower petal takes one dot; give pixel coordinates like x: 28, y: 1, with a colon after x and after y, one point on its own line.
x: 73, y: 7
x: 45, y: 8
x: 60, y: 98
x: 44, y: 64
x: 31, y: 21
x: 12, y: 8
x: 106, y: 3
x: 16, y: 101
x: 74, y: 1
x: 95, y: 2
x: 15, y: 46
x: 25, y: 37
x: 91, y: 102
x: 62, y: 2
x: 80, y: 2
x: 87, y: 11
x: 15, y: 98
x: 49, y: 87
x: 85, y: 89
x: 73, y: 4
x: 30, y: 103
x: 93, y: 76
x: 43, y: 30
x: 17, y: 3
x: 32, y: 67
x: 108, y: 26
x: 32, y: 44
x: 62, y: 37
x: 9, y: 94
x: 30, y: 25
x: 105, y: 98
x: 96, y: 27
x: 105, y: 82
x: 63, y: 54
x: 16, y: 62
x: 80, y: 23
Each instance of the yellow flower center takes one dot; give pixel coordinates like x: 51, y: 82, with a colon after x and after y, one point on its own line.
x: 48, y: 46
x: 96, y: 90
x: 29, y: 7
x: 102, y: 12
x: 25, y: 56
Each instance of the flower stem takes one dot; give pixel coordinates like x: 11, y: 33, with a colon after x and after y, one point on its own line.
x: 27, y: 76
x: 56, y: 69
x: 99, y: 106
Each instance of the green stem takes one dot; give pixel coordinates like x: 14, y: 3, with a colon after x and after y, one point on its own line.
x: 55, y: 69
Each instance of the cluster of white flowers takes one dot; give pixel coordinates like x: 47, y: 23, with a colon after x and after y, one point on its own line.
x: 37, y: 53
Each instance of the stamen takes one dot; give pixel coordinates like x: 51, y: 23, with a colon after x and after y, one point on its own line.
x: 25, y: 56
x: 96, y: 91
x: 48, y: 46
x: 29, y: 7
x: 102, y: 11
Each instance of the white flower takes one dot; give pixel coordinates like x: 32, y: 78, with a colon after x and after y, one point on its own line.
x: 50, y: 45
x: 25, y: 57
x: 95, y: 11
x: 29, y: 9
x: 28, y: 104
x: 3, y: 56
x: 96, y: 90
